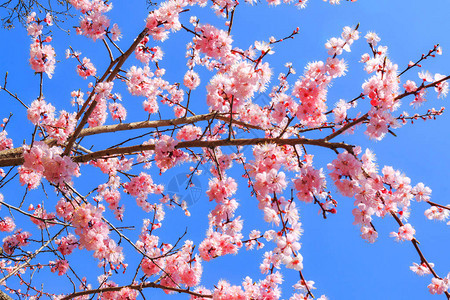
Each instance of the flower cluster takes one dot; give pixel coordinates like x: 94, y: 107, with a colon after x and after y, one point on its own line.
x: 7, y: 224
x: 140, y: 187
x: 86, y: 67
x: 94, y: 24
x: 311, y: 89
x: 5, y: 142
x: 287, y: 125
x: 166, y: 15
x: 213, y: 42
x: 61, y: 266
x: 94, y: 234
x: 146, y: 54
x: 375, y: 194
x: 42, y: 113
x: 267, y: 288
x: 382, y: 90
x: 42, y: 56
x: 67, y: 244
x: 40, y: 217
x: 143, y: 82
x: 12, y: 242
x: 166, y: 155
x: 99, y: 114
x: 41, y: 160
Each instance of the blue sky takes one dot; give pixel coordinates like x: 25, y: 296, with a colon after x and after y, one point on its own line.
x: 342, y: 264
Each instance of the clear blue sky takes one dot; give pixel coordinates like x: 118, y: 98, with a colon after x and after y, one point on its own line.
x: 342, y: 264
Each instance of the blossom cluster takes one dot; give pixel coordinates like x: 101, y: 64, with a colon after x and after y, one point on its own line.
x: 42, y: 56
x: 166, y: 15
x: 146, y: 54
x: 280, y: 162
x: 375, y: 194
x: 94, y: 234
x: 42, y: 113
x: 140, y: 187
x: 12, y: 242
x: 179, y: 267
x: 41, y: 160
x: 94, y: 24
x: 311, y: 88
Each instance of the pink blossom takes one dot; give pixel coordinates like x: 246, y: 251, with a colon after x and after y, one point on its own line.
x: 168, y: 16
x: 94, y: 25
x: 405, y: 232
x: 12, y: 242
x: 7, y: 224
x: 189, y: 133
x: 34, y: 29
x: 103, y: 89
x: 369, y: 233
x: 438, y: 286
x: 224, y: 291
x: 67, y: 244
x: 363, y: 214
x: 309, y: 183
x: 213, y: 42
x: 61, y: 265
x: 28, y: 177
x: 48, y: 19
x: 166, y: 155
x: 5, y: 143
x: 86, y: 69
x: 42, y: 58
x: 117, y: 111
x: 142, y: 184
x: 410, y: 86
x: 146, y: 54
x: 77, y: 97
x: 295, y: 263
x: 40, y: 112
x: 425, y: 76
x: 335, y: 46
x: 421, y: 192
x: 349, y: 34
x: 421, y: 269
x: 62, y: 127
x: 437, y: 213
x: 372, y: 38
x: 304, y: 286
x: 40, y: 216
x: 64, y: 209
x: 115, y: 32
x: 336, y: 67
x: 219, y: 190
x: 442, y: 87
x: 49, y: 163
x: 191, y: 80
x: 311, y: 90
x: 99, y: 114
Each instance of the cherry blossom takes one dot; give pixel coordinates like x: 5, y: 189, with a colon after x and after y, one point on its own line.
x: 250, y: 151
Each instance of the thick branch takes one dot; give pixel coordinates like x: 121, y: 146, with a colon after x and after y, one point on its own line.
x: 212, y: 144
x: 345, y: 127
x: 4, y: 296
x: 193, y: 144
x: 160, y: 123
x: 111, y: 77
